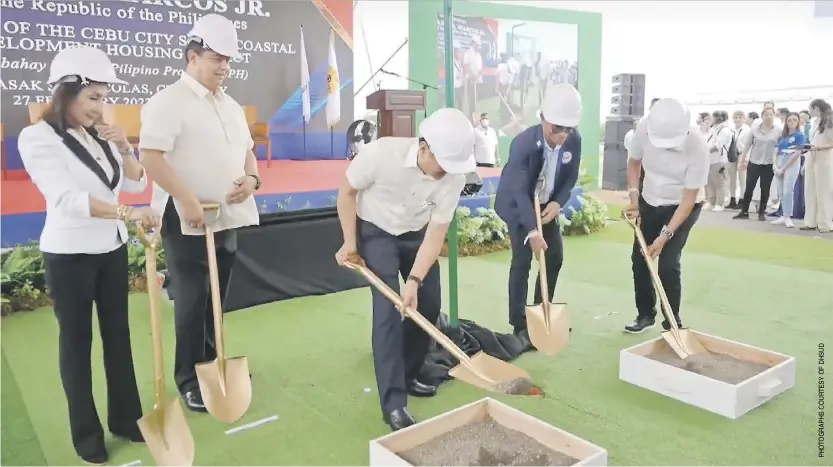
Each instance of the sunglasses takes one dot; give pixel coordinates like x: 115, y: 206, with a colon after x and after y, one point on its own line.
x: 563, y: 129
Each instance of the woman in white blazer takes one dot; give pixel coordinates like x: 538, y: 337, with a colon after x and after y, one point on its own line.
x: 80, y: 166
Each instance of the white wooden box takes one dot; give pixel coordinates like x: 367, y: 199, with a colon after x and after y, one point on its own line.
x: 383, y: 451
x: 728, y: 400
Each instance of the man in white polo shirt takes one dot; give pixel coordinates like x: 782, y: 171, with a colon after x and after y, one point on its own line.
x: 196, y: 147
x: 486, y: 152
x: 674, y: 158
x: 395, y: 206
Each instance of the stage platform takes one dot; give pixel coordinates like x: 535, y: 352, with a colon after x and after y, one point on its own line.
x: 287, y: 186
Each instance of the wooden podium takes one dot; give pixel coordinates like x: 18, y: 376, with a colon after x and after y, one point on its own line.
x: 397, y: 111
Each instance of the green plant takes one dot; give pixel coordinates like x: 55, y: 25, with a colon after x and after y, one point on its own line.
x: 590, y: 217
x: 27, y: 297
x: 137, y: 255
x: 482, y: 233
x: 24, y: 263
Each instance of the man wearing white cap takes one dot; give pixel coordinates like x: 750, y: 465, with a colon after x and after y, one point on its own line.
x: 674, y: 158
x: 196, y: 146
x: 543, y: 159
x: 395, y: 206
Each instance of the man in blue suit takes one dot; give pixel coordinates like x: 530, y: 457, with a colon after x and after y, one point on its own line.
x: 543, y: 159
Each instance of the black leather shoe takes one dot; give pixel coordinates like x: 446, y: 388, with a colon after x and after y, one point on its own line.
x: 134, y: 436
x: 523, y: 336
x: 98, y: 458
x: 640, y: 325
x: 193, y: 400
x: 741, y: 215
x: 418, y: 389
x: 399, y: 419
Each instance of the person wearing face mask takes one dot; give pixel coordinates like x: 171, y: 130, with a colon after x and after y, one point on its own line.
x: 737, y: 175
x: 80, y: 165
x: 674, y: 159
x: 543, y: 160
x: 395, y: 206
x: 196, y: 146
x: 486, y: 151
x: 759, y: 151
x: 719, y: 140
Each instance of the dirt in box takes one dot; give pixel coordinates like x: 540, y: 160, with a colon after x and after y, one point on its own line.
x: 484, y: 443
x: 713, y: 365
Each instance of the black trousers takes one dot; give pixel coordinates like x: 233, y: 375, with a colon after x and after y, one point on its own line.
x: 399, y: 347
x: 521, y: 265
x: 652, y: 220
x: 755, y: 172
x: 187, y: 262
x: 75, y: 282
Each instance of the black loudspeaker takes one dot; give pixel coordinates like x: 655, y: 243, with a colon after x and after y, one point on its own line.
x: 615, y: 165
x: 628, y: 95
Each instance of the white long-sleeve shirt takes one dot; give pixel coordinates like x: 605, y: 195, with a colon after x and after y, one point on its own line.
x: 67, y: 182
x: 720, y: 139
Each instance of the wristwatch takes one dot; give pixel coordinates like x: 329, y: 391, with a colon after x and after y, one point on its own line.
x: 667, y: 232
x: 257, y: 180
x: 416, y: 279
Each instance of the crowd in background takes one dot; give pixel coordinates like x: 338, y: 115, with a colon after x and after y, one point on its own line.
x: 759, y: 162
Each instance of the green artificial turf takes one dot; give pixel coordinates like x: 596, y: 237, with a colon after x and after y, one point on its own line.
x: 312, y: 364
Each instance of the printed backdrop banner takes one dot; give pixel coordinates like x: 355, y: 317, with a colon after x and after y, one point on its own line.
x: 146, y: 39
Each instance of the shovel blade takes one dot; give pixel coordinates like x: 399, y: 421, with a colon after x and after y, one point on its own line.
x: 548, y: 340
x: 226, y: 396
x: 689, y: 343
x: 167, y: 435
x: 496, y: 371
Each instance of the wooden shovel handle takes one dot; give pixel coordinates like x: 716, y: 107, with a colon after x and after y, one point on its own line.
x: 542, y: 266
x: 216, y: 302
x: 420, y: 320
x: 666, y: 306
x: 155, y: 296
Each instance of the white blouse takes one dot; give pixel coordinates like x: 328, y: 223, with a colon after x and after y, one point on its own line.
x: 67, y: 181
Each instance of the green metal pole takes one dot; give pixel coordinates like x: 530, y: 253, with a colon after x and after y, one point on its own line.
x: 449, y: 102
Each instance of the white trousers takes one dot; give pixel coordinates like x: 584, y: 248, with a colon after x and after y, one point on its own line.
x: 818, y: 190
x: 737, y: 180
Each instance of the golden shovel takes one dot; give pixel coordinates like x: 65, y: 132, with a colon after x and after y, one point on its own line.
x: 225, y: 383
x: 165, y: 428
x: 482, y: 370
x: 682, y: 341
x: 548, y: 323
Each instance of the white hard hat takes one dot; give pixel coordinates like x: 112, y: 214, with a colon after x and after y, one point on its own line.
x: 217, y: 33
x: 450, y: 136
x: 668, y: 123
x: 562, y: 106
x: 82, y: 63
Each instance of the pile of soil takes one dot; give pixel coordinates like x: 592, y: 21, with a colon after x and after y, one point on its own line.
x: 516, y: 387
x: 484, y: 443
x: 713, y: 365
